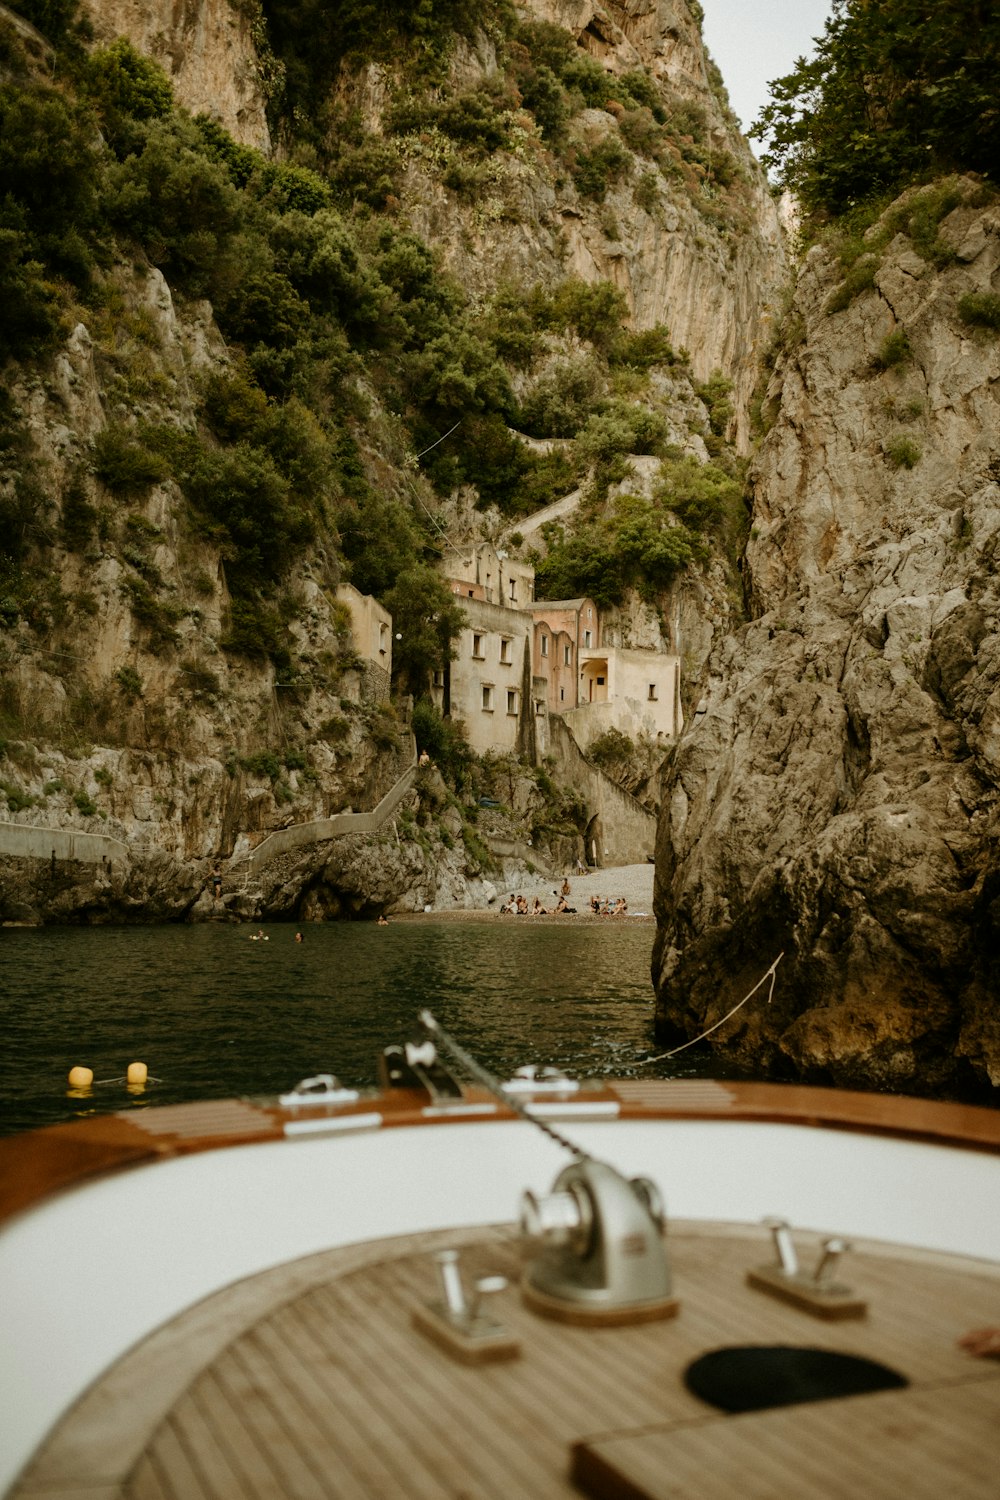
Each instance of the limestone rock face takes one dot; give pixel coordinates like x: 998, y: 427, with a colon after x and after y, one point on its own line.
x: 835, y: 796
x: 207, y: 50
x: 717, y: 290
x: 711, y: 279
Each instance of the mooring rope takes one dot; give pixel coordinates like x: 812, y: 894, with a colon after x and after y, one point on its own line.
x: 98, y: 1083
x: 771, y: 972
x: 496, y: 1088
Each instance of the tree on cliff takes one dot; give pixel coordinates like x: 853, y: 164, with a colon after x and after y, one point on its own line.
x: 426, y: 620
x: 898, y: 91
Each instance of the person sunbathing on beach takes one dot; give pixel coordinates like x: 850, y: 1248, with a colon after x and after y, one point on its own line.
x: 538, y: 910
x: 509, y: 906
x: 562, y: 907
x: 522, y: 906
x: 595, y: 905
x: 620, y: 907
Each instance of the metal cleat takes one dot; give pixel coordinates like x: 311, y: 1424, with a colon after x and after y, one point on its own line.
x: 533, y: 1080
x: 460, y: 1326
x: 324, y: 1088
x: 819, y: 1294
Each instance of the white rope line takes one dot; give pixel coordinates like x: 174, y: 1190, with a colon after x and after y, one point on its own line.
x: 662, y: 1056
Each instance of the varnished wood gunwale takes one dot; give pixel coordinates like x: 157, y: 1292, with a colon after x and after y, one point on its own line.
x: 37, y: 1163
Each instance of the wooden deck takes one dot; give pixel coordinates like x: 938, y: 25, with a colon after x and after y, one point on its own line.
x: 309, y: 1383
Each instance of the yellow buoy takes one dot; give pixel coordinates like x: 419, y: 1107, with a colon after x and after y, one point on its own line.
x: 137, y: 1073
x: 81, y: 1078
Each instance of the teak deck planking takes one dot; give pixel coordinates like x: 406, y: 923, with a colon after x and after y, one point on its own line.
x: 309, y: 1383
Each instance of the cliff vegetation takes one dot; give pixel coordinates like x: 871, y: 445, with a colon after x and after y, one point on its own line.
x: 236, y: 375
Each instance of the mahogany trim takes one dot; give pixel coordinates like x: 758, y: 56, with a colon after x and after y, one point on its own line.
x: 37, y: 1163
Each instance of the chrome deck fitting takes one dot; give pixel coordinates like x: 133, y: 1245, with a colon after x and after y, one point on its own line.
x: 819, y: 1293
x: 457, y: 1323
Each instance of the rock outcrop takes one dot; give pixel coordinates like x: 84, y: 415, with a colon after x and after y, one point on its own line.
x: 717, y: 302
x: 209, y: 51
x: 836, y: 795
x: 709, y: 269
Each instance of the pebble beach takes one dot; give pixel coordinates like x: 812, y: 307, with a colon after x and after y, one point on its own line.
x: 633, y: 882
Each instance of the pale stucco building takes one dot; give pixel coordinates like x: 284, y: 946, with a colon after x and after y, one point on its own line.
x: 488, y: 684
x: 563, y: 628
x: 597, y: 687
x: 636, y: 692
x: 371, y: 626
x: 520, y: 659
x: 371, y: 637
x: 488, y: 573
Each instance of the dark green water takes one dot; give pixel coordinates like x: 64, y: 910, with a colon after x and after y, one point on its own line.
x: 213, y: 1014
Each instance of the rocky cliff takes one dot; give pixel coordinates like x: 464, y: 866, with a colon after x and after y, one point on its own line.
x: 835, y: 797
x: 131, y: 706
x: 214, y: 53
x: 698, y: 248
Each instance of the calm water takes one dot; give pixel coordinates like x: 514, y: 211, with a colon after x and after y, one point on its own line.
x: 213, y: 1014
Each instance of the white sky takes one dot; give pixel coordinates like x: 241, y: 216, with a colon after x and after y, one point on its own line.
x: 753, y: 41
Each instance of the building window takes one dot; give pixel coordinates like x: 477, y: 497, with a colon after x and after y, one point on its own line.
x: 539, y: 706
x: 505, y: 654
x: 590, y: 614
x: 588, y: 639
x: 477, y: 647
x: 600, y: 682
x: 511, y: 701
x: 568, y: 655
x: 562, y: 695
x: 513, y: 591
x: 652, y: 692
x: 383, y: 639
x: 439, y: 679
x: 487, y: 699
x: 545, y: 645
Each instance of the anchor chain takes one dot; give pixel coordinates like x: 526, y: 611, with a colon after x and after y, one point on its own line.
x: 481, y: 1074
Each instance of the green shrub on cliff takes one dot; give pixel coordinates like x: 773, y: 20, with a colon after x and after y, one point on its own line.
x: 903, y: 452
x: 893, y: 351
x: 124, y: 461
x: 636, y: 544
x: 980, y: 309
x: 125, y: 89
x: 50, y: 174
